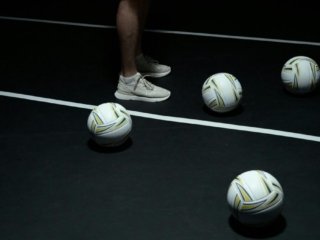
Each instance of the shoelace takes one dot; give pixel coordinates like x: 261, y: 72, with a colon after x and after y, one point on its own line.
x: 143, y: 81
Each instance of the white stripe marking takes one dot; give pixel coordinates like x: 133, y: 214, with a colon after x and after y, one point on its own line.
x: 169, y: 118
x: 57, y: 22
x: 198, y: 34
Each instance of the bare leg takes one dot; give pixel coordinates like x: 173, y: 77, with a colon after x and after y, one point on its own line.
x: 132, y: 85
x: 128, y: 31
x: 143, y: 14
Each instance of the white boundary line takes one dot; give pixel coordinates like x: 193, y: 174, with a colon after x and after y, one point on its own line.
x: 198, y: 34
x: 169, y: 118
x: 57, y: 22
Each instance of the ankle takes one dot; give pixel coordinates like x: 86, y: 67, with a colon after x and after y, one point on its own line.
x: 130, y: 78
x: 140, y: 57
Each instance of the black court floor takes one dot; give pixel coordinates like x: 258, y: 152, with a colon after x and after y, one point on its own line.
x: 170, y: 180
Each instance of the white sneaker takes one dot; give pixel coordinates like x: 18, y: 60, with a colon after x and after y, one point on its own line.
x: 138, y: 88
x: 150, y: 67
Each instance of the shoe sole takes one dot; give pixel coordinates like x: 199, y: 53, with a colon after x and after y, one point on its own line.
x: 155, y: 75
x: 138, y: 98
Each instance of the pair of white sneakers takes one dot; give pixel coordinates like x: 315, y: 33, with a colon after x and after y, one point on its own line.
x: 138, y: 88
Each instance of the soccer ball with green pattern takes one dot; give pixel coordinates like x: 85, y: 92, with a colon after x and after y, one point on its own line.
x: 222, y: 92
x: 300, y: 75
x: 109, y: 124
x: 255, y: 197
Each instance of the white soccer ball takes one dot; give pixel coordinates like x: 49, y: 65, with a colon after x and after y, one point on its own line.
x: 300, y: 75
x: 255, y: 197
x: 109, y: 124
x: 222, y: 92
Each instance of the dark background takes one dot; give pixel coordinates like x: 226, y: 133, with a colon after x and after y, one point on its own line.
x: 293, y: 20
x: 170, y: 180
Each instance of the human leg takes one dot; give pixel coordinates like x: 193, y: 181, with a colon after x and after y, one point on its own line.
x: 128, y: 34
x: 146, y: 65
x: 132, y: 85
